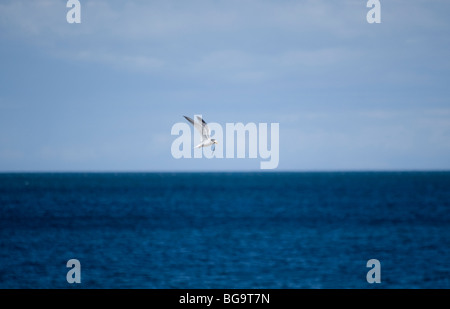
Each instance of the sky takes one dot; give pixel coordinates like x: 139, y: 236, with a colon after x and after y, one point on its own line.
x: 104, y: 94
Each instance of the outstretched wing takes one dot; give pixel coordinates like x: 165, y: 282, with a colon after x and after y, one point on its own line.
x: 202, y: 128
x: 206, y: 132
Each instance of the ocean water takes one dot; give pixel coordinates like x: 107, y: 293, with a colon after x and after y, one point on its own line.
x: 225, y: 230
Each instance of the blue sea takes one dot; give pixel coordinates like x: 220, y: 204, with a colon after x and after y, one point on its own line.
x: 225, y: 230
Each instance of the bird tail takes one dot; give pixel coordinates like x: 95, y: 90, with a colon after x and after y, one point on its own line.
x: 199, y: 146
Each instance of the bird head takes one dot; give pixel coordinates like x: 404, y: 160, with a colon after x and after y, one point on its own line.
x: 214, y: 141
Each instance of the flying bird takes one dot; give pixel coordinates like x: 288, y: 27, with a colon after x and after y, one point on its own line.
x: 204, y: 130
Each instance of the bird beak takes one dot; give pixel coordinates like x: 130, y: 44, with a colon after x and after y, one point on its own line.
x: 216, y: 142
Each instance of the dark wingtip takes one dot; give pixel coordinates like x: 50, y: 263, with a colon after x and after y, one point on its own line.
x: 201, y: 119
x: 189, y: 119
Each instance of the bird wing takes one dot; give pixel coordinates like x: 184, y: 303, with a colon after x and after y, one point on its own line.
x: 206, y: 132
x: 202, y: 128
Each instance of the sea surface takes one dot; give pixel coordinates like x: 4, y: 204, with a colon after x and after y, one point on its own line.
x: 225, y: 230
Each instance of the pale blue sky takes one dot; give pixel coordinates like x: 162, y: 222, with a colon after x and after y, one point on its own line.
x: 103, y: 95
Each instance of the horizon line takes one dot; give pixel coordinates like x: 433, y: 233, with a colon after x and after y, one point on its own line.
x: 225, y: 171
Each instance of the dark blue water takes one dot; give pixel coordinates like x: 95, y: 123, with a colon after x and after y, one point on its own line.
x: 225, y: 230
